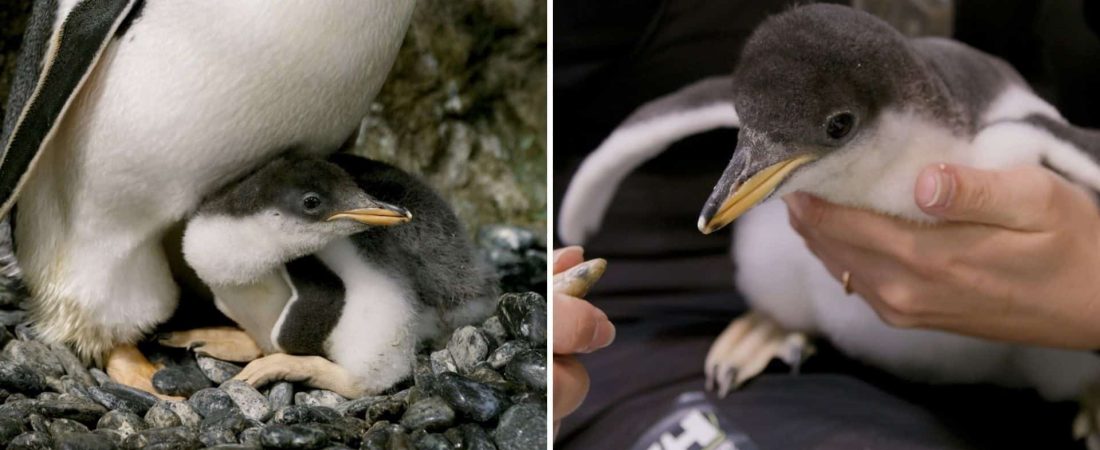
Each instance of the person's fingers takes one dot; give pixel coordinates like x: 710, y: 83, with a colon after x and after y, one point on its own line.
x: 1018, y: 198
x: 570, y: 385
x: 877, y: 280
x: 857, y: 227
x: 579, y: 327
x: 567, y: 257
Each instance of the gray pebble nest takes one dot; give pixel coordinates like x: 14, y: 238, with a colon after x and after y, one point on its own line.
x: 484, y: 389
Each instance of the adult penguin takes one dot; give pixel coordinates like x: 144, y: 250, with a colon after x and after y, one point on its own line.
x: 125, y: 113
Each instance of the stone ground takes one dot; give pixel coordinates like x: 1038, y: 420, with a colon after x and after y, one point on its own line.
x: 485, y: 388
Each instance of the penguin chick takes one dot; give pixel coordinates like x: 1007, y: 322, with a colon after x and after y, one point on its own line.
x: 835, y: 102
x: 314, y: 259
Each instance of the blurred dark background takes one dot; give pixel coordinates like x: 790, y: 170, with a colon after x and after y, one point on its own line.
x: 669, y: 288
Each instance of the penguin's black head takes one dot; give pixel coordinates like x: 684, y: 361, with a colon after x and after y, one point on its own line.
x: 810, y: 82
x: 305, y: 195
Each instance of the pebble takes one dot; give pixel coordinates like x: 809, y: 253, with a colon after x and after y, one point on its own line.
x: 477, y: 401
x: 529, y: 397
x: 61, y: 427
x: 85, y: 412
x: 431, y: 441
x: 38, y: 423
x: 19, y: 378
x: 161, y: 416
x: 504, y: 353
x: 124, y: 422
x: 188, y: 415
x: 222, y: 427
x: 443, y: 362
x: 12, y: 318
x: 494, y: 331
x: 522, y: 427
x: 117, y: 396
x: 517, y: 256
x: 250, y: 437
x: 180, y: 380
x: 84, y: 441
x: 467, y: 348
x: 33, y: 440
x: 164, y: 438
x: 210, y: 400
x: 524, y: 316
x: 10, y: 427
x: 293, y: 437
x: 484, y: 373
x: 100, y: 376
x: 36, y: 356
x: 74, y: 368
x: 319, y: 397
x: 298, y: 414
x: 386, y: 409
x: 24, y: 332
x: 529, y: 368
x: 381, y: 435
x: 251, y: 402
x: 280, y: 395
x: 430, y: 414
x: 357, y: 407
x: 474, y: 437
x: 216, y: 370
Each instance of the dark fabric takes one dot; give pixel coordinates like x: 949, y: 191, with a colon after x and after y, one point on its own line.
x: 669, y: 289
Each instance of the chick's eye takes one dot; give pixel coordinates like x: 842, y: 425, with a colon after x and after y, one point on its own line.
x: 840, y: 125
x: 311, y: 201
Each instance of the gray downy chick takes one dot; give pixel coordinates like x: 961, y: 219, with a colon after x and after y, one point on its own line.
x: 348, y: 259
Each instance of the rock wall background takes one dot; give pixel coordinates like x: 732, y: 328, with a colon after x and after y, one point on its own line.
x: 465, y: 105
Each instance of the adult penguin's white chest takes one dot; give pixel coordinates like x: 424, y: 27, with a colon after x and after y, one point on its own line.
x: 196, y: 92
x: 192, y: 95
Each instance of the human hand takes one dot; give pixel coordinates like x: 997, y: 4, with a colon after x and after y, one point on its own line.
x: 1017, y: 258
x: 579, y: 327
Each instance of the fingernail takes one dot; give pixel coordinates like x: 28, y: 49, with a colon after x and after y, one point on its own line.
x: 934, y: 187
x: 798, y: 202
x: 603, y: 336
x: 559, y: 252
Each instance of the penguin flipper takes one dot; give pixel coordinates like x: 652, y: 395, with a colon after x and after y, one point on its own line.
x: 702, y: 106
x: 1073, y: 152
x: 61, y: 65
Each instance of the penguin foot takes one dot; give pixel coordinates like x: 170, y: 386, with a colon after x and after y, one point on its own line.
x: 744, y: 349
x: 314, y: 371
x: 126, y: 365
x: 224, y: 343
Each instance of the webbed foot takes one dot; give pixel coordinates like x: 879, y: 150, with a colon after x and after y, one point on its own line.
x: 127, y: 365
x: 224, y: 343
x: 744, y: 349
x: 314, y: 371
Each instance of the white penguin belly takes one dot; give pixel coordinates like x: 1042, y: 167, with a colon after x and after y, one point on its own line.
x: 782, y: 279
x: 374, y: 338
x: 193, y: 95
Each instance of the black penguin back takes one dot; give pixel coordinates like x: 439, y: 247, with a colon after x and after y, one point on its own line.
x: 433, y: 251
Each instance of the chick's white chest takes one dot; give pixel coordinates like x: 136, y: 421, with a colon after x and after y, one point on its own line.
x: 783, y: 279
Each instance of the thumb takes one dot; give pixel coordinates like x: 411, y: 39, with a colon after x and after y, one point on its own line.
x: 1016, y: 198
